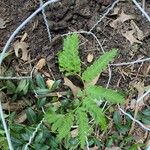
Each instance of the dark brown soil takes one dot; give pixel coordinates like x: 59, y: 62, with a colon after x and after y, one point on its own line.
x: 73, y: 15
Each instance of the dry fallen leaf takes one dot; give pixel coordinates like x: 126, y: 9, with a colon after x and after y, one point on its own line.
x: 41, y: 63
x: 23, y: 47
x: 116, y: 11
x: 121, y: 19
x: 56, y: 104
x: 74, y: 133
x: 14, y: 106
x: 140, y: 34
x: 50, y: 83
x: 130, y: 37
x: 2, y: 23
x: 21, y: 117
x: 73, y: 88
x: 24, y: 37
x: 90, y: 58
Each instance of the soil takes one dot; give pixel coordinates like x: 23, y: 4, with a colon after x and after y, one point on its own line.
x: 75, y: 15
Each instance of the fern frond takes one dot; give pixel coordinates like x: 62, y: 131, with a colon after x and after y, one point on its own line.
x: 99, y: 92
x: 55, y: 119
x: 95, y: 112
x: 64, y: 130
x: 51, y: 117
x: 69, y: 61
x: 58, y: 123
x: 98, y: 66
x: 83, y: 126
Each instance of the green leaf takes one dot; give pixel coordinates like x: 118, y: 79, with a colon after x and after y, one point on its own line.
x: 69, y: 61
x: 83, y: 126
x: 58, y: 123
x: 56, y: 85
x: 118, y: 123
x: 98, y: 66
x: 103, y: 93
x: 31, y: 115
x: 40, y: 81
x: 51, y: 117
x: 42, y: 91
x: 11, y: 88
x: 64, y: 130
x: 95, y: 112
x: 23, y: 86
x: 146, y: 112
x: 55, y: 119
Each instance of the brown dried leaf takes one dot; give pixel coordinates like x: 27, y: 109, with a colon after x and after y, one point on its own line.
x: 90, y: 57
x: 130, y: 37
x: 121, y: 19
x: 140, y: 34
x: 21, y: 117
x: 57, y: 104
x: 73, y: 88
x: 41, y: 63
x: 24, y: 37
x: 2, y: 23
x: 14, y: 106
x: 23, y: 47
x: 116, y: 11
x: 50, y: 83
x: 74, y: 133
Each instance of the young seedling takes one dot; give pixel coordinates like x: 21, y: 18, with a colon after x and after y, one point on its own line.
x: 86, y: 98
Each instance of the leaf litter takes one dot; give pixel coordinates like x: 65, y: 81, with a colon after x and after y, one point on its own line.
x: 23, y: 46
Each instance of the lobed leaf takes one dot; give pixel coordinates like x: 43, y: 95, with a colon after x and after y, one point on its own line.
x: 98, y: 66
x: 64, y: 130
x: 83, y: 126
x: 52, y: 117
x: 69, y: 61
x: 103, y: 93
x: 95, y: 112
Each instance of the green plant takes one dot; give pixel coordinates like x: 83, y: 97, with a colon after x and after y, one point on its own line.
x: 84, y: 103
x: 3, y: 141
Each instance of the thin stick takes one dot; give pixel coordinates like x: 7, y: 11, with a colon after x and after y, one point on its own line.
x: 141, y: 9
x: 46, y: 22
x: 5, y: 127
x: 105, y: 14
x: 33, y: 134
x: 138, y: 122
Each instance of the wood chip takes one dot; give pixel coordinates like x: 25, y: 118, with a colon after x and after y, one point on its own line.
x: 41, y: 63
x: 90, y: 58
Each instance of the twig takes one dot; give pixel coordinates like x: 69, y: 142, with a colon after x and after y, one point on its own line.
x: 21, y: 26
x: 105, y: 14
x: 5, y: 127
x: 46, y: 22
x: 145, y: 94
x: 141, y: 124
x: 131, y: 63
x: 141, y: 9
x: 33, y: 134
x: 15, y: 78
